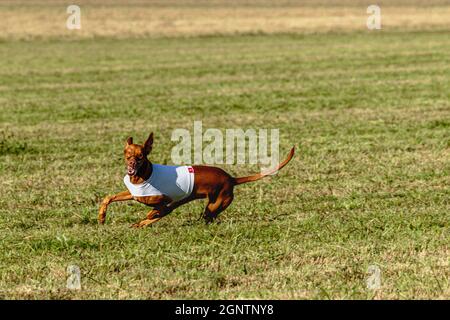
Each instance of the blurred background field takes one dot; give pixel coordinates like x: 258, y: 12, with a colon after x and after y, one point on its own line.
x: 138, y: 18
x: 369, y: 112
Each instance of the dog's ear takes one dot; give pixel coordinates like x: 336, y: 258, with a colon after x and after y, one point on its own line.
x: 148, y: 144
x: 129, y: 141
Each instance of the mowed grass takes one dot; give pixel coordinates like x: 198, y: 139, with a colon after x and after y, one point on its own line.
x: 369, y: 113
x: 43, y: 19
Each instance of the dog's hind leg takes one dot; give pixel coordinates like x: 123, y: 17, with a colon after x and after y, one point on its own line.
x: 213, y: 208
x: 122, y: 196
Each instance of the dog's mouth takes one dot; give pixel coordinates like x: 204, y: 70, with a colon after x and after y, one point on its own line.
x: 131, y: 171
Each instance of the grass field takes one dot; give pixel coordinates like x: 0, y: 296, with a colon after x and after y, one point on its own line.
x: 369, y: 113
x: 33, y: 19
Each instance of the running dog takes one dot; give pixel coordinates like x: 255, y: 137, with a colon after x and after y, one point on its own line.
x: 164, y: 188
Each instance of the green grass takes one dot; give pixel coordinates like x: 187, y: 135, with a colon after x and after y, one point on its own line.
x: 368, y: 112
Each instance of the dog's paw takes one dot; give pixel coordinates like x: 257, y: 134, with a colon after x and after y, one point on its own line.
x: 144, y: 223
x: 138, y: 225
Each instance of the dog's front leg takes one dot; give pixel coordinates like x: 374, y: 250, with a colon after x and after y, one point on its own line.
x: 122, y: 196
x: 153, y: 216
x: 161, y: 209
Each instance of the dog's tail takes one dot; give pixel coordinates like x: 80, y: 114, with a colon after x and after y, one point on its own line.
x: 265, y: 173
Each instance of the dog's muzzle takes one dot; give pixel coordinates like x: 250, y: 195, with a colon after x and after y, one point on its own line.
x: 132, y: 168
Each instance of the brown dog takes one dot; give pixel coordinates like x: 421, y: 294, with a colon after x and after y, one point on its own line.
x: 209, y: 182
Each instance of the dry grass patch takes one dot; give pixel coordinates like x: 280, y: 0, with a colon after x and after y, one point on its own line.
x: 113, y: 19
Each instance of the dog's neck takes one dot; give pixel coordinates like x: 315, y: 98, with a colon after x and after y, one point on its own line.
x: 144, y: 172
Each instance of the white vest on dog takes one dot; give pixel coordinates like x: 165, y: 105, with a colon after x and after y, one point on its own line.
x: 175, y: 182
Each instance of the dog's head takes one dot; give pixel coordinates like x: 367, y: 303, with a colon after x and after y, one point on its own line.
x: 136, y: 154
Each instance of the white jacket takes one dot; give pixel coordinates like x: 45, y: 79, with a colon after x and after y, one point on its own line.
x: 175, y: 182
